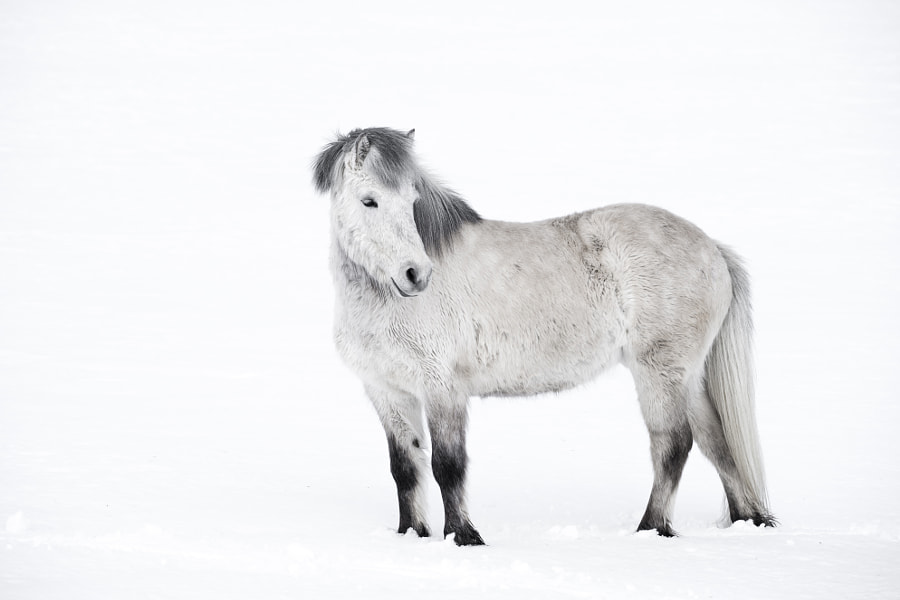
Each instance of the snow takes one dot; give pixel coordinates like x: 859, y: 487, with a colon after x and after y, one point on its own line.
x: 174, y: 421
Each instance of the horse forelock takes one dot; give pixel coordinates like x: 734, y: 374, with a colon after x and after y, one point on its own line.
x: 439, y: 212
x: 390, y: 159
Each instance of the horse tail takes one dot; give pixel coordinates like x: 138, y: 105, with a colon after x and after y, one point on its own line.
x: 731, y: 389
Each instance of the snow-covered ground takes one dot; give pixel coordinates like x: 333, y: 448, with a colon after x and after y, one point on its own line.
x: 174, y: 422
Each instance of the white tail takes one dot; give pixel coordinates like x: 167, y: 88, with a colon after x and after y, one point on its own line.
x: 730, y: 385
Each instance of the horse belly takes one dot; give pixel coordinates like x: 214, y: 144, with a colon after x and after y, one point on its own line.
x: 550, y: 357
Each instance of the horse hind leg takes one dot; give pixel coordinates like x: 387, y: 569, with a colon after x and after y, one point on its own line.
x: 669, y: 450
x: 401, y: 417
x: 663, y: 405
x: 710, y: 435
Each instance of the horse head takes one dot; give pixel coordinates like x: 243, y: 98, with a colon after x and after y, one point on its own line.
x: 373, y: 183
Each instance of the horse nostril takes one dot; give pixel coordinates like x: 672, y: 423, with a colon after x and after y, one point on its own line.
x: 416, y: 275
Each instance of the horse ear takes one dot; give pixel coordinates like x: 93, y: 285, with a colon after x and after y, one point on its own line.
x: 411, y: 134
x: 362, y: 150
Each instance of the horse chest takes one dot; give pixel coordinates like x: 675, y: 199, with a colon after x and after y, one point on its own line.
x: 380, y: 347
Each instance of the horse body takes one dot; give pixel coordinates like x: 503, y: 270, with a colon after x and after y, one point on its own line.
x: 482, y: 329
x: 474, y: 307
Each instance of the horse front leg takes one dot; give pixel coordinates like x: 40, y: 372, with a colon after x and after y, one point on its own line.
x: 447, y: 422
x: 401, y: 416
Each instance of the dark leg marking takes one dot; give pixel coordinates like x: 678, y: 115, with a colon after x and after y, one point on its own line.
x: 669, y: 451
x: 449, y: 460
x: 406, y: 477
x: 449, y: 467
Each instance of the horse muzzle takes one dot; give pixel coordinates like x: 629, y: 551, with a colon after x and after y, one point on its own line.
x: 412, y: 279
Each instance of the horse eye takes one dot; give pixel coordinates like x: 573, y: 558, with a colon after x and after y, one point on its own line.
x: 369, y: 202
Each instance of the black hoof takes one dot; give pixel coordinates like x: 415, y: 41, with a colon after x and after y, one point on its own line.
x: 661, y: 530
x: 421, y: 530
x: 761, y: 520
x: 466, y: 535
x: 757, y: 518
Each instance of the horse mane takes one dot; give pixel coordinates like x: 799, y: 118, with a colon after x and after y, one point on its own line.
x: 439, y: 212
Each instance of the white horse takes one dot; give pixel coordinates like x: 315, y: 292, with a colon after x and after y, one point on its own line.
x: 435, y: 304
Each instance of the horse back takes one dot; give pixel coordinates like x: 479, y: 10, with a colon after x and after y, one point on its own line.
x: 549, y: 305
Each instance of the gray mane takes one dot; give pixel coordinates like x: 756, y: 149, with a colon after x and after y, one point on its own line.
x: 439, y: 212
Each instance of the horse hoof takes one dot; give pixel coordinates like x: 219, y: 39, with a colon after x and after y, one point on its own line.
x: 666, y: 532
x: 764, y: 520
x: 662, y: 530
x: 420, y: 530
x: 467, y: 536
x: 759, y: 519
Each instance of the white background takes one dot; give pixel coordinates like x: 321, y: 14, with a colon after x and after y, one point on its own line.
x: 174, y: 421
